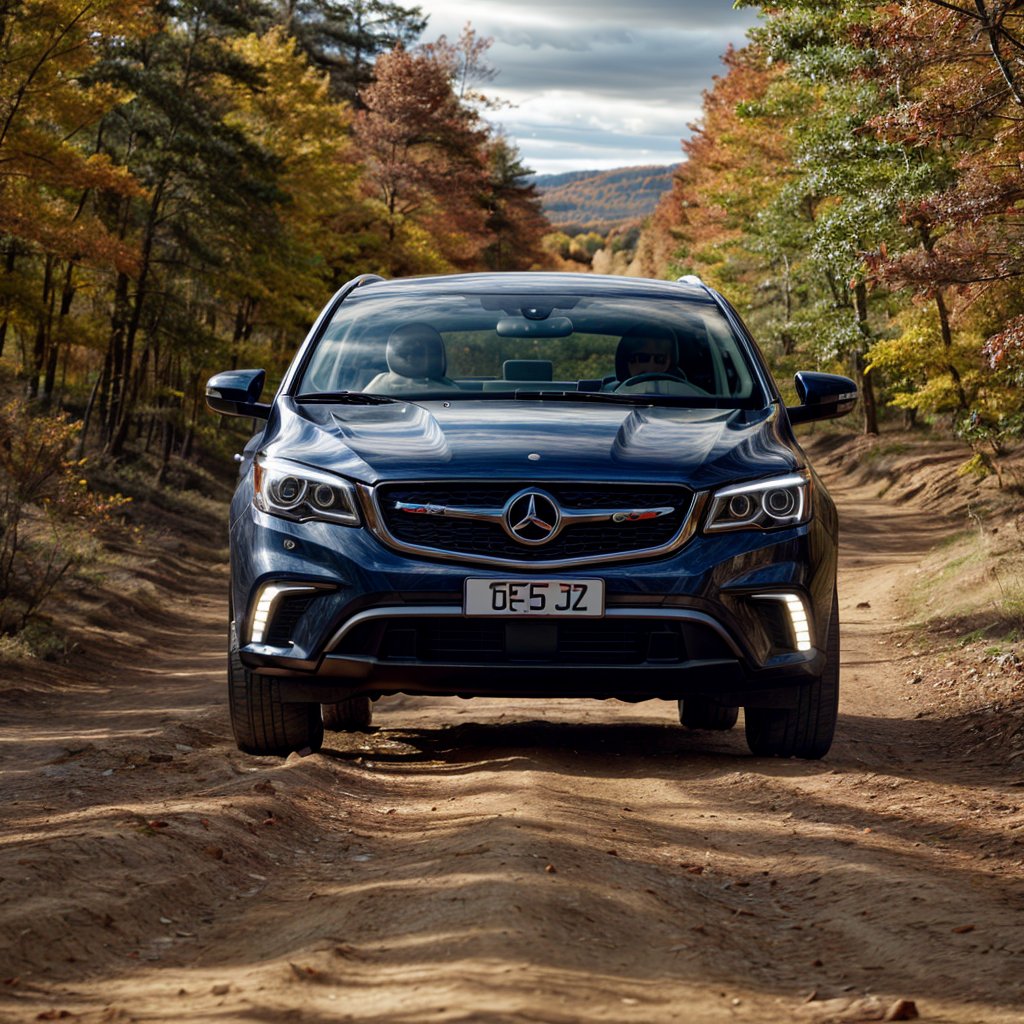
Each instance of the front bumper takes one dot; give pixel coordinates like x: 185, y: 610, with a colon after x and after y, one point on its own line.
x: 364, y: 619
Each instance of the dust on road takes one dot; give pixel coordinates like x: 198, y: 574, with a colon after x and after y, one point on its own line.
x: 496, y: 861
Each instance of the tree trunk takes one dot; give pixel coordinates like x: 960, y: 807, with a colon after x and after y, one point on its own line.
x: 947, y: 348
x: 119, y: 425
x: 193, y: 420
x: 117, y: 442
x: 43, y: 327
x: 112, y: 389
x: 928, y: 244
x: 165, y: 457
x: 864, y: 380
x: 88, y: 415
x: 67, y: 296
x: 12, y: 252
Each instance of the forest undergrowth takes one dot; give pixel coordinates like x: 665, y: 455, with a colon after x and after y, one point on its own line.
x: 961, y: 629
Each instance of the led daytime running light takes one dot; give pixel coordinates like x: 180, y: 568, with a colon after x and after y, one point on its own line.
x: 798, y: 620
x: 764, y: 504
x: 265, y: 605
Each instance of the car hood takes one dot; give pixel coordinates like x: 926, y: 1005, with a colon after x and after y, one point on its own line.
x: 534, y: 440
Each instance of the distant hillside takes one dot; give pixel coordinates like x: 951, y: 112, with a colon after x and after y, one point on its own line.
x: 600, y: 200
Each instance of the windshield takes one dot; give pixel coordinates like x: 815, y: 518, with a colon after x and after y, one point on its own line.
x: 463, y: 346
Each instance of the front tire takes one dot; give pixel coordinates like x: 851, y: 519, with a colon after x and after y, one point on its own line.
x: 805, y: 730
x: 261, y: 722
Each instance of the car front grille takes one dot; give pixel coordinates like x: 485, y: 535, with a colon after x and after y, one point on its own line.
x: 488, y: 541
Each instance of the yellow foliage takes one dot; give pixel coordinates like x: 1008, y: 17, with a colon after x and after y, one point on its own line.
x: 46, y: 49
x: 921, y: 368
x: 47, y: 512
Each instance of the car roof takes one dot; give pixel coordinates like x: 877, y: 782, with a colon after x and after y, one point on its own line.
x: 533, y: 283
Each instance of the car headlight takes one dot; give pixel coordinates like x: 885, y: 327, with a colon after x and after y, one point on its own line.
x: 293, y: 491
x: 763, y: 505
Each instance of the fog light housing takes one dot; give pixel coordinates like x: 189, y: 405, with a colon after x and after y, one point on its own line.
x: 267, y: 601
x: 799, y: 621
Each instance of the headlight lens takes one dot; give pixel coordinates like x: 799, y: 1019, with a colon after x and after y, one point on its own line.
x: 762, y: 505
x: 294, y: 491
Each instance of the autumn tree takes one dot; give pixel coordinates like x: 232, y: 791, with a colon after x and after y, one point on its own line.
x: 465, y: 60
x: 735, y: 166
x: 425, y: 165
x: 515, y: 221
x: 208, y: 186
x: 789, y: 189
x: 179, y: 188
x: 50, y: 169
x: 304, y: 245
x: 959, y: 71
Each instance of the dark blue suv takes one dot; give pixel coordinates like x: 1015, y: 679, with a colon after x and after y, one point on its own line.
x: 531, y: 485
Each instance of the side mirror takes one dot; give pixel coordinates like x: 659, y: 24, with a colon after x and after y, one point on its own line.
x: 237, y: 392
x: 823, y: 396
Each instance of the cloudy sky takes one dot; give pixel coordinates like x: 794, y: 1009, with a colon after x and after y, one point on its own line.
x: 597, y: 83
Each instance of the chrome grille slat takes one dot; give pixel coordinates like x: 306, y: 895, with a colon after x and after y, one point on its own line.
x: 486, y: 542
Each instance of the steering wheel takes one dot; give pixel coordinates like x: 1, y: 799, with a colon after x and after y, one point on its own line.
x: 643, y: 378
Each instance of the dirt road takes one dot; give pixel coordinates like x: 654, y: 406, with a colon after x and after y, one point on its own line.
x: 500, y: 861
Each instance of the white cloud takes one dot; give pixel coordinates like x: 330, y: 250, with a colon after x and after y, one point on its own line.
x: 596, y: 83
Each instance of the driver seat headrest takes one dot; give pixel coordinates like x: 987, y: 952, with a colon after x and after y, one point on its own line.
x: 416, y: 351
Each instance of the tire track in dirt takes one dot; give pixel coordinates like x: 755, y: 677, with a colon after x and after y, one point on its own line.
x: 512, y: 861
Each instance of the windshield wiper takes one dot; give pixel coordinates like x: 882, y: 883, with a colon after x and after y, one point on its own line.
x: 345, y: 398
x: 637, y: 398
x: 585, y: 396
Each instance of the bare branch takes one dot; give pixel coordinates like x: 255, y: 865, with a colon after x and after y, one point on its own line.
x: 953, y: 7
x: 994, y: 32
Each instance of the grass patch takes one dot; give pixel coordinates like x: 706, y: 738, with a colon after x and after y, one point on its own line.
x: 882, y: 451
x: 971, y: 589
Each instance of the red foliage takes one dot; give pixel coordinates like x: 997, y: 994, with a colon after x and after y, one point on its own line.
x: 1005, y: 350
x: 956, y: 80
x: 425, y: 153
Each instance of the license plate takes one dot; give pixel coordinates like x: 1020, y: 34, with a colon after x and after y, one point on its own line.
x: 572, y: 598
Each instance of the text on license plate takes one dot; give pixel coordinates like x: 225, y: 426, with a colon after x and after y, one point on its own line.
x: 534, y: 597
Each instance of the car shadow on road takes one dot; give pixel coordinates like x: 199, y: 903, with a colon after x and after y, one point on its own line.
x: 626, y: 750
x: 894, y: 747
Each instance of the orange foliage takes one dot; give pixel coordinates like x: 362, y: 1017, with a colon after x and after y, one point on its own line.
x: 46, y: 114
x: 733, y: 163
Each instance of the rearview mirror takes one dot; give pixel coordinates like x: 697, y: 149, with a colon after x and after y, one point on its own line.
x: 237, y: 392
x: 823, y: 396
x: 552, y: 327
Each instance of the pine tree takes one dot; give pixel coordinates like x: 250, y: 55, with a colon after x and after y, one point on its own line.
x: 344, y: 39
x: 207, y: 186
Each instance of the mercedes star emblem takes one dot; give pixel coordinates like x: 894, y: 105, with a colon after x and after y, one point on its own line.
x: 532, y: 517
